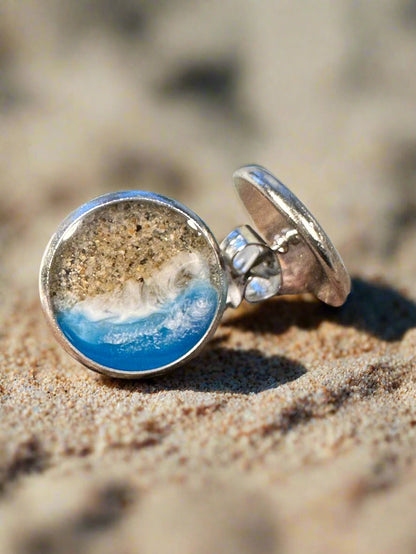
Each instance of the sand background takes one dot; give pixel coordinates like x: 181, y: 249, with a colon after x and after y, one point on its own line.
x: 295, y: 431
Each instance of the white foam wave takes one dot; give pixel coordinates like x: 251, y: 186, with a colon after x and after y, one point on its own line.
x: 135, y: 300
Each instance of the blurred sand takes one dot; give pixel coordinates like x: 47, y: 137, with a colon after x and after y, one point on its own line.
x: 295, y: 431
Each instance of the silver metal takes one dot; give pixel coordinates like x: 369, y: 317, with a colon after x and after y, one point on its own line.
x: 288, y: 253
x: 62, y: 233
x: 253, y: 268
x: 283, y: 241
x: 307, y: 259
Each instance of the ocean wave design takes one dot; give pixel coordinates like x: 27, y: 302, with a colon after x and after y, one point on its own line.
x: 145, y: 327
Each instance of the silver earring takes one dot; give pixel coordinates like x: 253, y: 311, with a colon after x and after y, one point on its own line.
x: 134, y: 284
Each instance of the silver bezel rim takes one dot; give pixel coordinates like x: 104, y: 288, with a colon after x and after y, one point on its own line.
x: 337, y: 286
x: 59, y: 235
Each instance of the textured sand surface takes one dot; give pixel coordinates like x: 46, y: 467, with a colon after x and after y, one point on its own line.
x: 295, y: 431
x: 115, y: 245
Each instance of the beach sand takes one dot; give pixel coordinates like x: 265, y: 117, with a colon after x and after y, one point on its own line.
x: 295, y: 430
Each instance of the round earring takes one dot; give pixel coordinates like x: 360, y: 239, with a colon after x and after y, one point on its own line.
x: 134, y: 284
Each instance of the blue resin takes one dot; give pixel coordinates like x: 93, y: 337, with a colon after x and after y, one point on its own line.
x: 147, y: 342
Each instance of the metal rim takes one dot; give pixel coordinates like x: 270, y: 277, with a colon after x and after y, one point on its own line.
x: 335, y: 285
x: 62, y: 234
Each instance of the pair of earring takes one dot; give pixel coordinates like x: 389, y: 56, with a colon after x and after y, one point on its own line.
x: 134, y: 284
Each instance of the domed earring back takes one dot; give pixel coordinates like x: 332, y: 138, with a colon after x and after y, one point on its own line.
x: 133, y: 284
x: 291, y: 255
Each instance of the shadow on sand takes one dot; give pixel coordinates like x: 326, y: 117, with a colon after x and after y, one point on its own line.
x: 372, y: 307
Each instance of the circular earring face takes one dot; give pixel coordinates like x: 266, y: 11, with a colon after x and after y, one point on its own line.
x: 133, y: 284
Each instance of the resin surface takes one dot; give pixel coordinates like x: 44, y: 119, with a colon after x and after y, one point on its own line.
x: 135, y: 285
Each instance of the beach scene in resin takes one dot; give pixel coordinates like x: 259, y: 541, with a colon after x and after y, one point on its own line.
x: 135, y: 286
